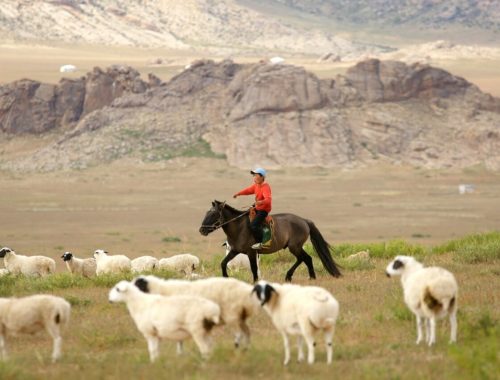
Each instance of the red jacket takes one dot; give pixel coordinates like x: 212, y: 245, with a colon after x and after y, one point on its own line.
x: 262, y: 193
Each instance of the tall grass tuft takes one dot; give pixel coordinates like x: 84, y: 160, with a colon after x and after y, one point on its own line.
x: 473, y: 249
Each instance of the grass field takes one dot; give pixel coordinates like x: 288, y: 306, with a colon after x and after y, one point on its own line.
x: 374, y: 338
x: 139, y: 209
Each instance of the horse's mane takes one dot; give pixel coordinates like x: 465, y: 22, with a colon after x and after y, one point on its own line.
x: 231, y: 208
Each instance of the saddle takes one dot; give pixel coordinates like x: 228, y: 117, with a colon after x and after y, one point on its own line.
x: 267, y: 228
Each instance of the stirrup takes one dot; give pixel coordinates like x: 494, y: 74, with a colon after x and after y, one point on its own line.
x: 257, y: 246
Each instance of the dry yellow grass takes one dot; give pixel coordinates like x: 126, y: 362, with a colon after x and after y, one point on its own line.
x: 132, y: 209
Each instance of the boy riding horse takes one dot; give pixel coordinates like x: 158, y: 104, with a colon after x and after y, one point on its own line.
x: 263, y: 199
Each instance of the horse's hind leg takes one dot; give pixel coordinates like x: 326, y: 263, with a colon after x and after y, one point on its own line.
x: 301, y: 256
x: 309, y: 262
x: 252, y: 257
x: 289, y: 274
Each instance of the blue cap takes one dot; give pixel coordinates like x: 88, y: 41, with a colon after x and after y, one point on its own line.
x: 260, y: 171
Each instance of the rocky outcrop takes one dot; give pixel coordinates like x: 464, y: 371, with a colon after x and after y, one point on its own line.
x: 281, y: 115
x: 28, y: 106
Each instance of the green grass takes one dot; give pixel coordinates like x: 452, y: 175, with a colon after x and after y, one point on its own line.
x: 171, y: 239
x: 475, y: 248
x: 374, y: 338
x: 381, y: 250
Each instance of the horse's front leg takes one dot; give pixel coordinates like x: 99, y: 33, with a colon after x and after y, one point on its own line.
x: 232, y: 253
x: 253, y: 265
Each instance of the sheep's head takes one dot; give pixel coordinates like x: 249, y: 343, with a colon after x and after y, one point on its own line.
x: 397, y: 266
x: 264, y: 291
x: 99, y: 253
x: 119, y: 291
x: 4, y: 251
x: 67, y: 256
x: 142, y: 283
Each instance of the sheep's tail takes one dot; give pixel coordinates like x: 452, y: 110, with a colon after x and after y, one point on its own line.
x: 211, y: 321
x: 432, y: 302
x: 62, y: 313
x: 439, y: 298
x: 323, y: 250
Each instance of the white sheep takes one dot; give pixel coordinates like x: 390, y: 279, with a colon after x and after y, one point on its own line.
x: 240, y: 261
x: 27, y: 265
x: 110, y: 263
x: 430, y: 293
x: 185, y: 263
x: 177, y: 317
x: 233, y: 297
x: 32, y: 314
x: 144, y: 264
x: 300, y: 310
x: 83, y: 267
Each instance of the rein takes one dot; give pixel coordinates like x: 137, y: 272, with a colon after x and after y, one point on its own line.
x: 216, y: 227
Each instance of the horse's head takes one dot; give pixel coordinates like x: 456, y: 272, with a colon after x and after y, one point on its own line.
x: 213, y: 218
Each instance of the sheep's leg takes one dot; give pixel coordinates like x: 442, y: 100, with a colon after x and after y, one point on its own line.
x: 244, y: 334
x: 419, y: 329
x: 310, y: 348
x: 3, y: 350
x: 204, y: 344
x: 237, y: 339
x: 329, y: 344
x: 453, y: 324
x: 300, y: 348
x: 153, y: 343
x: 56, y: 353
x: 180, y: 347
x: 286, y: 344
x: 432, y: 325
x: 427, y: 330
x: 225, y: 260
x: 55, y: 333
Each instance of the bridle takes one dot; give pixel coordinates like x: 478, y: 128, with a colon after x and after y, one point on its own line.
x: 220, y: 221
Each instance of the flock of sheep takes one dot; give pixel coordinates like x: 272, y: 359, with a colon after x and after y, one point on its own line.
x: 177, y: 309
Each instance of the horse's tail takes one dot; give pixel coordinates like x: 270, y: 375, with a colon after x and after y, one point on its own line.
x: 323, y: 250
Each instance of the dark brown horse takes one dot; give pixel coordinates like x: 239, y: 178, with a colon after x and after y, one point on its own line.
x: 290, y: 231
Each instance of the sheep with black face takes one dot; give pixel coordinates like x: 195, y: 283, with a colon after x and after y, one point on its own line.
x: 430, y: 293
x: 300, y: 310
x: 27, y: 265
x: 83, y: 267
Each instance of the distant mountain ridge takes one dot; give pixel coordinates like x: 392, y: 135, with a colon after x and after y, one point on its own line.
x: 221, y: 26
x: 437, y: 14
x: 379, y: 111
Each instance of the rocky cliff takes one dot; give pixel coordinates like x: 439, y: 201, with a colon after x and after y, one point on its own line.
x: 272, y: 115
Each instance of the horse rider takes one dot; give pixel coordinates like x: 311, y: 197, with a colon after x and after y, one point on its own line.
x: 263, y: 198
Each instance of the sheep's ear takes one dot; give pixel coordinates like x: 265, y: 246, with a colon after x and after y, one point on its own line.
x: 264, y: 293
x: 397, y: 264
x: 142, y: 284
x: 106, y: 252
